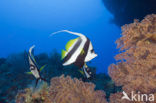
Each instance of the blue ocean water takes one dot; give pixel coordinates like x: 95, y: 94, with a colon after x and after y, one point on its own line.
x: 24, y: 23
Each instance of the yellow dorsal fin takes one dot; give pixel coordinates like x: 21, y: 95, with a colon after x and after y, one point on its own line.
x: 63, y: 54
x: 70, y: 43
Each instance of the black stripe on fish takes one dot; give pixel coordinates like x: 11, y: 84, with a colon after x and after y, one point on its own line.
x: 81, y: 58
x: 32, y: 60
x: 69, y: 55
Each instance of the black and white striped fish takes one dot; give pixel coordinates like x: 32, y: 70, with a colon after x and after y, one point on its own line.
x: 78, y: 51
x: 33, y: 66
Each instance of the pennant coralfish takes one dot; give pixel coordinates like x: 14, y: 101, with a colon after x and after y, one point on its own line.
x: 78, y: 51
x: 33, y: 66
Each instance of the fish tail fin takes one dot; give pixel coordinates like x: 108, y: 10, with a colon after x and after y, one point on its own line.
x: 74, y: 33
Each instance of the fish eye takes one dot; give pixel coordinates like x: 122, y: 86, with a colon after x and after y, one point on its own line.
x: 32, y: 67
x: 92, y: 51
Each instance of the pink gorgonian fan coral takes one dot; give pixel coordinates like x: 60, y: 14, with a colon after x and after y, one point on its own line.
x: 63, y: 90
x: 136, y: 69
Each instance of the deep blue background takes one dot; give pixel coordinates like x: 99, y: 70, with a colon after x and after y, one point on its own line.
x: 24, y: 23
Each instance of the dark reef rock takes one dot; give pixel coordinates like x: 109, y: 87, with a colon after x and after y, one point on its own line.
x: 13, y: 75
x: 2, y: 60
x: 125, y: 11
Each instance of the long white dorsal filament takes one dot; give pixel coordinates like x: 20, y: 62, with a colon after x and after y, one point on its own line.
x: 31, y: 48
x: 74, y: 33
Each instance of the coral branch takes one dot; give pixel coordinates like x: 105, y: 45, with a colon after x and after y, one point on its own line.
x: 63, y: 90
x: 136, y: 70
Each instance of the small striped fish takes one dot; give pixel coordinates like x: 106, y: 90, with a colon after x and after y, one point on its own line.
x: 33, y: 66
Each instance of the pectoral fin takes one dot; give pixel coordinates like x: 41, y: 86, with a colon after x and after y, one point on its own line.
x: 81, y: 71
x: 42, y: 67
x: 30, y: 73
x: 63, y: 54
x: 82, y: 52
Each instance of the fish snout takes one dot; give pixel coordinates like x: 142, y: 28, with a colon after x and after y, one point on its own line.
x: 95, y: 55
